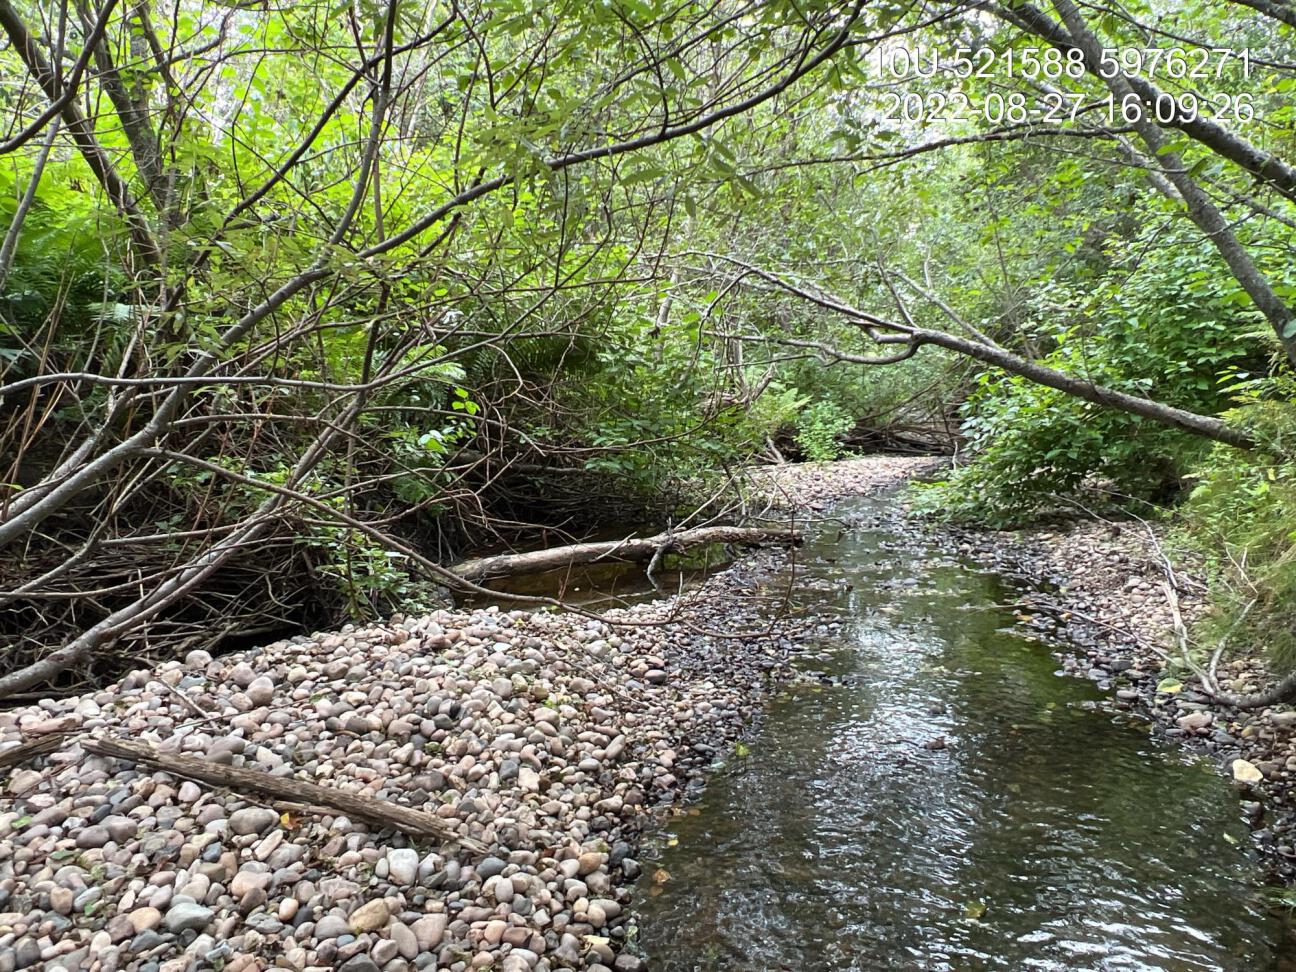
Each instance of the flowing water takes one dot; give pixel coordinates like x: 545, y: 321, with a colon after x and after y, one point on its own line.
x: 941, y: 799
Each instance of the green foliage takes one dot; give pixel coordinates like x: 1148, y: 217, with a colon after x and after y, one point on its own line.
x: 818, y: 428
x: 775, y: 410
x: 1031, y: 445
x: 1166, y: 324
x: 373, y: 580
x: 595, y: 315
x: 63, y: 266
x: 1241, y: 517
x: 351, y: 567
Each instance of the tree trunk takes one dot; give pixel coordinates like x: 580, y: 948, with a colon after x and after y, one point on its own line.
x: 1201, y: 210
x: 635, y: 550
x: 1277, y: 9
x: 1264, y: 165
x: 1207, y: 426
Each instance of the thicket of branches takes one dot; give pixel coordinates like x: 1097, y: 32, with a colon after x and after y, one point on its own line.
x: 300, y: 302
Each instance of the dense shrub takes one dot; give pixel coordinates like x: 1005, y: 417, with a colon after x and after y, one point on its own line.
x: 1177, y: 330
x: 1241, y: 515
x: 818, y: 428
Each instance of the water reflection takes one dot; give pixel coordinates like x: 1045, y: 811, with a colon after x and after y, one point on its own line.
x: 949, y: 803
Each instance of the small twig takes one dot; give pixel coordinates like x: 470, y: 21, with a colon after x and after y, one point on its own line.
x: 656, y: 561
x: 1223, y: 642
x: 1181, y: 634
x: 188, y: 703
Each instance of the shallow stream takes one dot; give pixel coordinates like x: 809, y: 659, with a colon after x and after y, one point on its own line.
x: 934, y: 796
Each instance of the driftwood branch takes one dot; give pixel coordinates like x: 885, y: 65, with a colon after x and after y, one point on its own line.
x: 31, y: 748
x: 1281, y: 691
x: 635, y: 550
x: 286, y: 789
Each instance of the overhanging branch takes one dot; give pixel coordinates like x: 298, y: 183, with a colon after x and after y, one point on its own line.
x: 892, y: 332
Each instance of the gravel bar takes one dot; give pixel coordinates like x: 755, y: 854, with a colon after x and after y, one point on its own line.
x: 552, y: 738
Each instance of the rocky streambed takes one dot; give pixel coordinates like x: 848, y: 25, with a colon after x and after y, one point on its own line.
x: 550, y: 738
x: 554, y: 740
x: 545, y: 737
x: 1095, y: 591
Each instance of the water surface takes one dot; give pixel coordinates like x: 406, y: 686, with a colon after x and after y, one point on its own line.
x: 943, y: 800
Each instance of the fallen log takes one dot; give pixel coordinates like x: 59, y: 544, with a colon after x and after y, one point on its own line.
x: 632, y: 550
x: 300, y: 794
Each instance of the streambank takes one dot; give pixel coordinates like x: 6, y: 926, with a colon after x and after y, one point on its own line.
x: 555, y: 739
x: 546, y: 737
x: 552, y: 738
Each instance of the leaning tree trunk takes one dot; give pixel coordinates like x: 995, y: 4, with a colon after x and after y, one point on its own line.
x: 634, y: 550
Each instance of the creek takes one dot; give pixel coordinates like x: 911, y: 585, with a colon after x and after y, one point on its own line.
x: 931, y: 794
